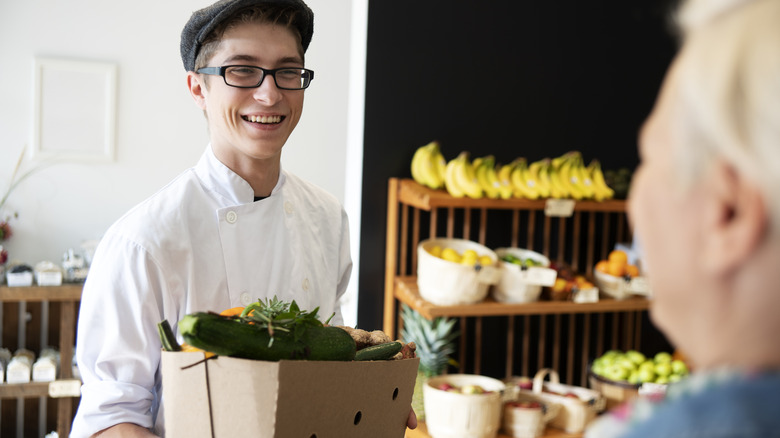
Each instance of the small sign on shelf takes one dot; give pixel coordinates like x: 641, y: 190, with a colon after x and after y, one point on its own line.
x: 559, y: 207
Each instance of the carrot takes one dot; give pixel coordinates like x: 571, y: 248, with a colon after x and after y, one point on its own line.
x: 233, y: 311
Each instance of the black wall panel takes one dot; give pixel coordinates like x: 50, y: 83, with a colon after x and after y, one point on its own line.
x: 508, y: 78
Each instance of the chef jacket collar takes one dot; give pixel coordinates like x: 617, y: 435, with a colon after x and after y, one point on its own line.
x: 220, y: 179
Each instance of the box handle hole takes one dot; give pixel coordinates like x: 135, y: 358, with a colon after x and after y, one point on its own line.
x: 358, y: 416
x: 395, y: 393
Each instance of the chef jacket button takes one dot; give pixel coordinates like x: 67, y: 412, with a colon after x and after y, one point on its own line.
x: 231, y: 217
x: 288, y: 207
x: 305, y: 284
x: 246, y: 299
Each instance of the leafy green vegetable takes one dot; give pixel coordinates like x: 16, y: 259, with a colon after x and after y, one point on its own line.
x: 276, y: 315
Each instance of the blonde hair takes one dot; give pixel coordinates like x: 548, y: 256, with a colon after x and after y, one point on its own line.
x: 728, y: 89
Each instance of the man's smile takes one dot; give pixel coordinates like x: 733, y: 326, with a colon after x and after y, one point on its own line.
x: 265, y: 120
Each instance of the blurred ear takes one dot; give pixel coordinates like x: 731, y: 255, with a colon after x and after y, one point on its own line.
x: 197, y: 89
x: 735, y: 219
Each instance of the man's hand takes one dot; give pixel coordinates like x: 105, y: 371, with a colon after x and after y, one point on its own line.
x: 411, y: 422
x: 130, y: 430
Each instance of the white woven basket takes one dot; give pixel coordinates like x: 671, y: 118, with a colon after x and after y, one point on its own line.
x: 528, y: 422
x: 576, y: 412
x: 446, y: 283
x: 455, y: 415
x: 512, y: 286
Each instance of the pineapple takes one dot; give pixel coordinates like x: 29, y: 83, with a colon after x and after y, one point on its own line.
x: 435, y: 343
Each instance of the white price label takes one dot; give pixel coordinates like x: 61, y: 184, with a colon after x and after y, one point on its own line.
x: 65, y: 388
x: 539, y: 276
x: 559, y: 207
x: 639, y: 286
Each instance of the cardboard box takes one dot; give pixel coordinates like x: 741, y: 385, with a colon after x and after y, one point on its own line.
x: 228, y: 397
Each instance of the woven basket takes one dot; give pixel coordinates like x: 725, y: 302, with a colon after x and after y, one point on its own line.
x: 576, y: 412
x: 445, y: 283
x: 528, y: 422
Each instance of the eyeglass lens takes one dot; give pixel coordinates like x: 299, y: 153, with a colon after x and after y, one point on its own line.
x: 292, y: 78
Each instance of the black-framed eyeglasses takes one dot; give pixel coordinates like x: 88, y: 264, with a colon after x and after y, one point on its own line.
x: 250, y: 76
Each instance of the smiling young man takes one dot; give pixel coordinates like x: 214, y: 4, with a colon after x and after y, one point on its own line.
x: 233, y: 229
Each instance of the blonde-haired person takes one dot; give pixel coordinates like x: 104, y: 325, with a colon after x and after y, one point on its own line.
x: 705, y: 205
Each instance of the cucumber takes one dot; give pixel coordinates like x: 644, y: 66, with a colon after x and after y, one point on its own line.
x: 167, y: 338
x: 379, y: 352
x: 227, y: 336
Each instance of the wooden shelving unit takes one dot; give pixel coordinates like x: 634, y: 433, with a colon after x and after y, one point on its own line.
x: 68, y: 295
x: 562, y: 335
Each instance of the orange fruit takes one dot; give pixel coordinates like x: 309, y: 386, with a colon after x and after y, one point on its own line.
x: 233, y: 311
x: 618, y: 256
x: 601, y: 266
x: 616, y: 268
x: 632, y: 271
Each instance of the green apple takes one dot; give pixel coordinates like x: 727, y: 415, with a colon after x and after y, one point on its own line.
x: 616, y: 372
x: 471, y: 389
x: 647, y: 365
x: 634, y: 377
x: 663, y: 369
x: 662, y: 380
x: 663, y: 357
x: 646, y: 374
x: 675, y: 378
x: 635, y: 356
x: 626, y: 363
x: 679, y: 367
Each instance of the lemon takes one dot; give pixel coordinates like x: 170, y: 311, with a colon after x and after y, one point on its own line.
x: 450, y: 255
x: 485, y: 260
x: 435, y: 251
x: 469, y: 257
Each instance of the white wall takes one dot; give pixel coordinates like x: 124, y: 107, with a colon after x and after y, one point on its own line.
x: 159, y: 131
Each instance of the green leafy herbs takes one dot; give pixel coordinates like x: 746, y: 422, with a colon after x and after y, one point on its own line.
x: 275, y: 316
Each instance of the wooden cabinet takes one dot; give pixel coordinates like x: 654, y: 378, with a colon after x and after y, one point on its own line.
x: 520, y: 338
x: 66, y: 298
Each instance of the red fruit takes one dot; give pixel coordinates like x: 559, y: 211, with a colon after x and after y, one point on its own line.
x: 525, y: 383
x: 446, y: 387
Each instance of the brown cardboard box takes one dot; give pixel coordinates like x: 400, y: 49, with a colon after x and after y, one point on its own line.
x: 228, y: 397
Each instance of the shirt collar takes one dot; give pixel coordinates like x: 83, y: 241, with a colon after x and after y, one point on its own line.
x: 218, y: 178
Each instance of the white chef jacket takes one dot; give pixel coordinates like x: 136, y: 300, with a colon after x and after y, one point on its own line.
x: 199, y: 244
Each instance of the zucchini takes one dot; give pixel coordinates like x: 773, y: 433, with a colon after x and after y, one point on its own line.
x: 167, y: 338
x: 228, y: 336
x: 380, y: 351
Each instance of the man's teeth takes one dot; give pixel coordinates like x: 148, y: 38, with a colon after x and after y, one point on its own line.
x: 264, y: 119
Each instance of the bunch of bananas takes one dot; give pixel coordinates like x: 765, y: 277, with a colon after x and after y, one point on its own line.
x: 428, y: 166
x: 561, y: 177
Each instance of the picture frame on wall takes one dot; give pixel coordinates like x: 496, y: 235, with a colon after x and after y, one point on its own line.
x: 74, y: 110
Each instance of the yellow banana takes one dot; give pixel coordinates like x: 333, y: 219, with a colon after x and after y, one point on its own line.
x: 506, y: 190
x: 569, y: 180
x: 524, y: 187
x: 557, y: 189
x: 544, y: 177
x: 430, y: 166
x: 586, y: 183
x: 420, y: 155
x: 543, y: 184
x: 450, y: 182
x: 466, y: 177
x: 600, y: 188
x: 486, y: 175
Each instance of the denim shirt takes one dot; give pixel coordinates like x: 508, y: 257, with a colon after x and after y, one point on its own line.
x: 713, y: 405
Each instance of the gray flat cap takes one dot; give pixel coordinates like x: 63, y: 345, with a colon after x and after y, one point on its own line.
x: 203, y: 21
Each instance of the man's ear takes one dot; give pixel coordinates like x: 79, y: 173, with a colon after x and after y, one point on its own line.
x: 736, y: 218
x: 197, y: 89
